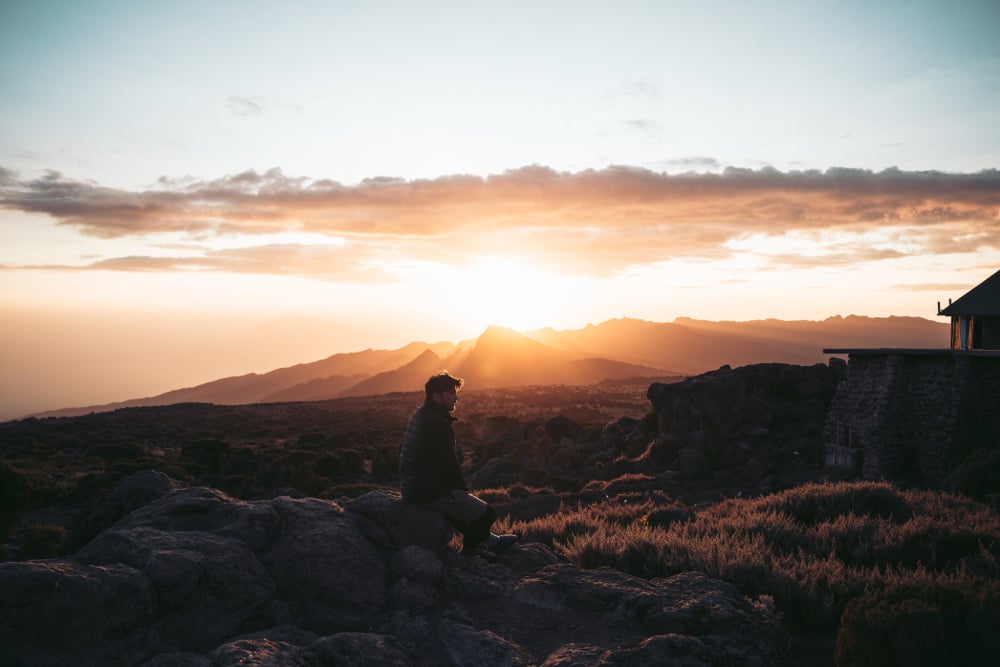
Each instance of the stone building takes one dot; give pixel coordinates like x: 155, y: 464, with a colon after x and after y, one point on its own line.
x: 975, y: 318
x: 913, y: 415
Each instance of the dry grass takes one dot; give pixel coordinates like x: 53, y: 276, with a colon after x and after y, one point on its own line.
x: 812, y: 548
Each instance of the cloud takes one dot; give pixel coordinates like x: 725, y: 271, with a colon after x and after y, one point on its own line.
x: 246, y: 106
x: 339, y: 264
x: 695, y: 162
x: 931, y: 287
x: 593, y: 221
x: 644, y: 126
x: 641, y: 88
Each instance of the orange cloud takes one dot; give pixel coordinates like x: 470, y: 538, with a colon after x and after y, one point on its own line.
x: 590, y: 221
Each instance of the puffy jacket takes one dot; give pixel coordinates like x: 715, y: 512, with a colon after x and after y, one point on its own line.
x: 429, y: 460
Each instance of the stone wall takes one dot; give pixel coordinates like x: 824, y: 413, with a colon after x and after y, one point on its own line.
x: 915, y: 415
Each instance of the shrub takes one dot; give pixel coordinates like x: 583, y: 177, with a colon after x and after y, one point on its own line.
x: 811, y: 548
x: 205, y: 454
x: 385, y: 460
x: 979, y: 474
x: 941, y: 623
x: 117, y: 451
x: 42, y: 540
x: 312, y: 441
x: 341, y: 463
x: 18, y: 490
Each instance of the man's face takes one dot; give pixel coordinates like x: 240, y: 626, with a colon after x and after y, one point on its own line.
x: 446, y: 399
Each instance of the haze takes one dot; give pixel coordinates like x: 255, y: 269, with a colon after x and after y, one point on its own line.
x: 191, y: 190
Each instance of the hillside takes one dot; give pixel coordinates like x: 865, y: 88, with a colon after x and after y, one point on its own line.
x: 612, y: 350
x: 693, y: 534
x: 695, y: 346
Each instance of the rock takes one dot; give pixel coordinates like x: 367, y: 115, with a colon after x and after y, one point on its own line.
x: 331, y: 577
x: 260, y: 653
x: 359, y: 649
x: 673, y: 650
x: 707, y: 621
x: 206, y: 585
x: 195, y: 578
x: 575, y: 655
x: 497, y: 473
x: 208, y: 510
x: 57, y: 612
x: 728, y: 626
x: 692, y: 464
x: 128, y: 494
x: 754, y: 470
x: 733, y: 415
x: 560, y: 427
x: 179, y: 659
x: 390, y: 523
x: 420, y: 578
x: 466, y: 646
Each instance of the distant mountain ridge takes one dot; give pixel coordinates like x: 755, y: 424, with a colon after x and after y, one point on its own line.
x: 613, y: 350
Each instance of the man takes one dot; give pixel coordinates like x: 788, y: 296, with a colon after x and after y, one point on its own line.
x: 430, y: 469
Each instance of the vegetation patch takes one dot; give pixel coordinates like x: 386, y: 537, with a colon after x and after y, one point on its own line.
x: 813, y: 549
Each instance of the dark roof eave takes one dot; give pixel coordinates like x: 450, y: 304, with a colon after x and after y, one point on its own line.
x: 982, y: 300
x: 915, y: 352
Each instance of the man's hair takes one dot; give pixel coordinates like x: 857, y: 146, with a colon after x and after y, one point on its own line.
x: 443, y: 381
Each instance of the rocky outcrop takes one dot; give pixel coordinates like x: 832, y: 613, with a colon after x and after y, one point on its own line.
x: 193, y: 577
x: 761, y: 422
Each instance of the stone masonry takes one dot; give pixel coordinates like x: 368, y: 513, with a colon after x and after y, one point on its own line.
x: 914, y: 415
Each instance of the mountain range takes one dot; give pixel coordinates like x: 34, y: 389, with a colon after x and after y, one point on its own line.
x: 613, y: 350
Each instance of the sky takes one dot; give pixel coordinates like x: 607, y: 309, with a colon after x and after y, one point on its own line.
x: 190, y: 190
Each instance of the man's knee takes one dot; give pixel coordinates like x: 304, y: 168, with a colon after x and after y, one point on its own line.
x: 479, y: 529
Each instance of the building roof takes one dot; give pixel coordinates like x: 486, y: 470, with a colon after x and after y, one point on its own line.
x: 983, y: 299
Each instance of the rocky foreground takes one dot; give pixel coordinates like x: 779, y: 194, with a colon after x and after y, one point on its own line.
x: 193, y: 577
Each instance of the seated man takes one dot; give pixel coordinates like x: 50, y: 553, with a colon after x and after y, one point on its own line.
x: 430, y: 470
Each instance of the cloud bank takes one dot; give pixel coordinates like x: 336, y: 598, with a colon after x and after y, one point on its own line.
x: 596, y: 222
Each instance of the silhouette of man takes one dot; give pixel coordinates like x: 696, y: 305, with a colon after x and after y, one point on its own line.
x: 430, y: 469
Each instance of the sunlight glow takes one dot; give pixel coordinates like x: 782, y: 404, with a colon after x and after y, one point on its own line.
x: 508, y: 292
x: 820, y: 244
x: 237, y: 241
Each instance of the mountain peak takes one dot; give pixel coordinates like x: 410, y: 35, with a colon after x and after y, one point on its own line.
x: 499, y: 330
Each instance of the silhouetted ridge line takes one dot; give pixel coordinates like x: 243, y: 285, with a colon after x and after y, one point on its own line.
x: 613, y: 350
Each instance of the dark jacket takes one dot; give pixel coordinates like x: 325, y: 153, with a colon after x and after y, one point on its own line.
x: 429, y: 463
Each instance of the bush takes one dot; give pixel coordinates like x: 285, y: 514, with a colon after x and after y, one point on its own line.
x: 385, y: 460
x: 204, y: 454
x: 979, y: 474
x: 117, y: 451
x: 18, y: 489
x: 42, y: 540
x: 945, y: 623
x: 812, y: 548
x: 341, y: 463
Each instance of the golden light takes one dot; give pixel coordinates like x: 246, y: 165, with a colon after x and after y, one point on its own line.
x: 507, y: 291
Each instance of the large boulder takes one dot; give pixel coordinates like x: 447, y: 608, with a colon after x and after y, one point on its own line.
x: 390, y: 523
x: 206, y: 585
x: 129, y: 494
x: 195, y: 578
x: 57, y: 612
x: 325, y: 570
x: 186, y: 571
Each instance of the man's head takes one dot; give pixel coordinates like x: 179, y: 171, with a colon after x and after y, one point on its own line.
x: 442, y: 389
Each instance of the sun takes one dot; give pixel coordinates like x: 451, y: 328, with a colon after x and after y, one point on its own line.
x: 508, y: 292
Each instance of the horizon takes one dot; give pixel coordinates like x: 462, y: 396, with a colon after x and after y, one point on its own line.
x: 192, y: 191
x: 8, y: 413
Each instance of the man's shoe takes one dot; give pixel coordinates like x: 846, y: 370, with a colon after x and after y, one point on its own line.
x: 499, y: 543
